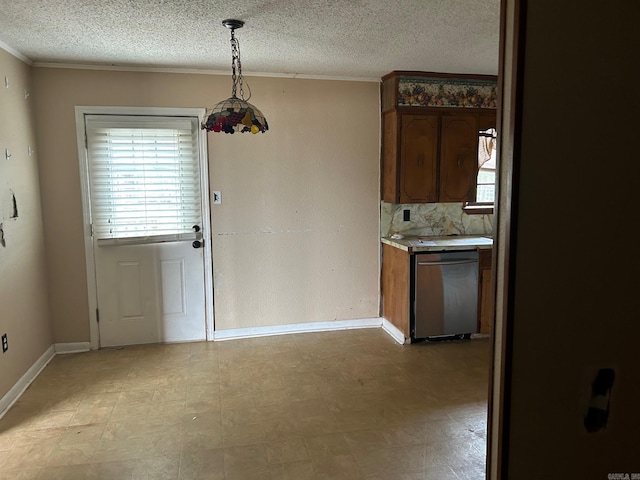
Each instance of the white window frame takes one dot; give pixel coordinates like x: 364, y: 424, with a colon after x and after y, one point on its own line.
x: 483, y: 208
x: 80, y: 112
x: 130, y: 154
x: 490, y: 169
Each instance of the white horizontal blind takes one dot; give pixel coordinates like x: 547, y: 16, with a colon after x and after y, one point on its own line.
x: 144, y: 175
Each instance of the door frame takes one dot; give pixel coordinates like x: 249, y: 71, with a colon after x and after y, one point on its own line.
x: 510, y: 90
x: 92, y: 292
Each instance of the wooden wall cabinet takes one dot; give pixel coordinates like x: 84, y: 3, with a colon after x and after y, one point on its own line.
x: 430, y: 152
x: 430, y: 156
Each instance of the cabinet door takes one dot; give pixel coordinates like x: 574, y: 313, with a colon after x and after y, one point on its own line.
x: 458, y: 158
x: 394, y: 286
x: 485, y: 294
x: 419, y: 159
x: 486, y: 302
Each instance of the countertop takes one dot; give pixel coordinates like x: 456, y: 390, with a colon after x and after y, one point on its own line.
x: 438, y: 244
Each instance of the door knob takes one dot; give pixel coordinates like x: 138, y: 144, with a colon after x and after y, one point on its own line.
x: 196, y: 244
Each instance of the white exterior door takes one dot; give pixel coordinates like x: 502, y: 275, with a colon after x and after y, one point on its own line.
x: 145, y: 182
x: 150, y: 293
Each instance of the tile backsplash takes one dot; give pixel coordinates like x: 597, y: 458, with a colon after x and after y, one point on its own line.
x: 432, y: 219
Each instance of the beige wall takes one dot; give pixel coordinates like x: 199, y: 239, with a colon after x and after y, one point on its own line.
x: 296, y: 238
x: 576, y: 303
x: 24, y: 309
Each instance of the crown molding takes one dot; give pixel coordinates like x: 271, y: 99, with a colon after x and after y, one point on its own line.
x: 148, y: 69
x: 15, y: 53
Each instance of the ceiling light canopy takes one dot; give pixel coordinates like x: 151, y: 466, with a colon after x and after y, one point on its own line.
x: 235, y: 114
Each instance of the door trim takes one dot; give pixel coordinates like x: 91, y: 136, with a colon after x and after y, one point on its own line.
x: 510, y: 88
x: 92, y: 292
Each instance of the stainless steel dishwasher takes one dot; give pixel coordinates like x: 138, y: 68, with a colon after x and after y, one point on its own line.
x: 445, y: 294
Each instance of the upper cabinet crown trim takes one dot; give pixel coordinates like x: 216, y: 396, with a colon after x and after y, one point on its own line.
x: 438, y: 90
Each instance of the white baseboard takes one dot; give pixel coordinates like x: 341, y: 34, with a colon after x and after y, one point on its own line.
x: 21, y: 385
x: 480, y: 335
x: 237, y: 333
x: 30, y: 375
x: 76, y: 347
x: 393, y: 331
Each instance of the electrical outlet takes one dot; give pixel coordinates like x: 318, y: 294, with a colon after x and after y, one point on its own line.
x: 406, y: 215
x: 5, y: 343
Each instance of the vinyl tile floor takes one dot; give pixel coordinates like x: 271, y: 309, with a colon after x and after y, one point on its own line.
x: 350, y: 405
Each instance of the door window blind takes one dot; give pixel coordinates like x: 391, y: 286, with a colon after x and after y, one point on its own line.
x: 144, y: 176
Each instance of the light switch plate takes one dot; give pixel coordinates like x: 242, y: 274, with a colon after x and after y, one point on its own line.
x: 217, y: 197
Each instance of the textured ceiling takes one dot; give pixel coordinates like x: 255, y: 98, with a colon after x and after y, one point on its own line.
x: 323, y: 38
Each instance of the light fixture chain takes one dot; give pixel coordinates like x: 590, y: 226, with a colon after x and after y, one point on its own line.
x: 240, y: 78
x: 236, y: 66
x: 234, y: 61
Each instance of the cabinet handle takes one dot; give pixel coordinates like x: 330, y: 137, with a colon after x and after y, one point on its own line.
x: 448, y: 262
x: 421, y: 159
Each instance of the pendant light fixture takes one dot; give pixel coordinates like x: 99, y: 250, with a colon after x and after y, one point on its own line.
x: 235, y: 114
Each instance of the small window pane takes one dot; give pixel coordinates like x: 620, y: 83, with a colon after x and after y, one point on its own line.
x: 487, y: 172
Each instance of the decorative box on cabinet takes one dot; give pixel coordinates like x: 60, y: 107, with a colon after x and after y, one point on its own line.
x: 430, y: 125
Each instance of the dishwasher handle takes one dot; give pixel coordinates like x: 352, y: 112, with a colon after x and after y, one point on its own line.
x: 448, y: 262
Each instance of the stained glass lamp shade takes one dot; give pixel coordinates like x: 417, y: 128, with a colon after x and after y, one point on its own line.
x: 235, y: 114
